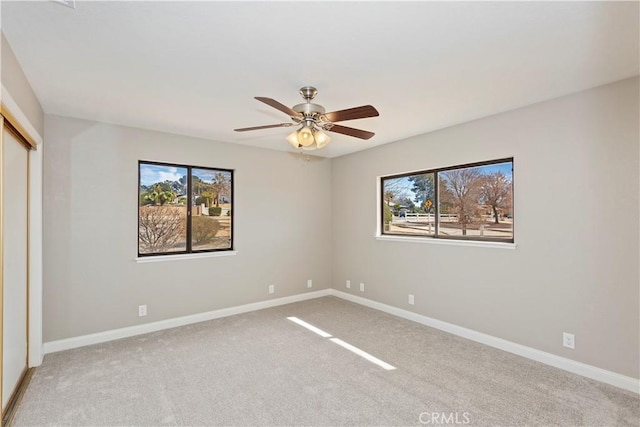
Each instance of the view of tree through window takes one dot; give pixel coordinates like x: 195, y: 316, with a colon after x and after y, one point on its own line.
x: 183, y: 209
x: 473, y: 202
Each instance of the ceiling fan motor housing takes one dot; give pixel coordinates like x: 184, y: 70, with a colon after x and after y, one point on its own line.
x: 309, y: 110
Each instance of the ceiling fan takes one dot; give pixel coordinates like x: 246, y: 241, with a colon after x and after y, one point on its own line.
x: 313, y: 119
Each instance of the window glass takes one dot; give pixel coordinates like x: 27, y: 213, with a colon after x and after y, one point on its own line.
x: 408, y: 204
x: 183, y: 209
x: 162, y: 216
x: 211, y: 214
x: 471, y: 202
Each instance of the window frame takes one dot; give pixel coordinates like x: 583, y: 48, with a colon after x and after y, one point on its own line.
x: 189, y: 243
x: 436, y: 204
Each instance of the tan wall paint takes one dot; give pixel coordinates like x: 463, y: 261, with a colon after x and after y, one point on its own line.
x: 577, y: 229
x: 91, y: 281
x: 14, y: 80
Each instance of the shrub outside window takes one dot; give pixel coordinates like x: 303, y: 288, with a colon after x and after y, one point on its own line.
x: 465, y: 202
x: 184, y: 209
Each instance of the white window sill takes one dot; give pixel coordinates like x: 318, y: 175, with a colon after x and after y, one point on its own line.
x: 433, y: 241
x: 162, y: 258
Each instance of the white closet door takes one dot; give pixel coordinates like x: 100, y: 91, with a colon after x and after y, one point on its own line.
x: 14, y: 277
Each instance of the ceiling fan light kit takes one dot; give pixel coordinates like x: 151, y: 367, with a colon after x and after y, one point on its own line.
x: 313, y: 120
x: 305, y: 137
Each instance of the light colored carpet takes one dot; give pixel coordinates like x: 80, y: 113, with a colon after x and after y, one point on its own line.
x: 261, y: 369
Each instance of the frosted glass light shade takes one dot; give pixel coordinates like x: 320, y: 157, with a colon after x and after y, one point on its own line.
x: 293, y: 139
x: 308, y: 138
x: 321, y: 138
x: 305, y: 136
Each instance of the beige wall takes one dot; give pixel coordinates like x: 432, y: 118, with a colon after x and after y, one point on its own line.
x: 14, y: 80
x: 91, y: 281
x: 575, y: 268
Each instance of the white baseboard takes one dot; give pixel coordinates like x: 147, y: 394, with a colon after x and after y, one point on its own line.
x: 595, y: 373
x: 115, y: 334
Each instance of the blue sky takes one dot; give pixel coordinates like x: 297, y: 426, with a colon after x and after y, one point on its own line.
x: 209, y: 175
x: 150, y: 174
x: 505, y: 168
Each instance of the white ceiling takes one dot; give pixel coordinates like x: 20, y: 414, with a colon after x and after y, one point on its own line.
x: 193, y: 68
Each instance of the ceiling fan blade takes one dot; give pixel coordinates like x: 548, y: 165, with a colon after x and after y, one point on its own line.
x: 281, y: 125
x: 352, y: 113
x: 278, y: 106
x: 358, y: 133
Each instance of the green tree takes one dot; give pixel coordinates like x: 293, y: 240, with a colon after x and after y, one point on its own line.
x: 423, y: 187
x: 159, y: 195
x: 209, y: 196
x: 198, y: 186
x: 388, y: 216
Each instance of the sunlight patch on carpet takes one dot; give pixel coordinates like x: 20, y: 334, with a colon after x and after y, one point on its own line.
x: 312, y: 328
x: 362, y: 353
x: 346, y: 345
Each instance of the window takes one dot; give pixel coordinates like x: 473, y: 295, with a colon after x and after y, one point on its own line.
x: 466, y: 202
x: 184, y: 209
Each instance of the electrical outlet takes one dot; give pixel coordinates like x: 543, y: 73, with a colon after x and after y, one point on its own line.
x: 348, y: 284
x: 142, y: 310
x: 272, y: 288
x: 568, y: 340
x: 309, y: 283
x: 361, y: 287
x: 411, y: 299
